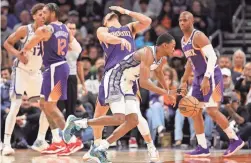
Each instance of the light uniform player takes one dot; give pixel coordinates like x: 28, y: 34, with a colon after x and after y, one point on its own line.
x: 119, y: 93
x: 26, y: 75
x: 118, y: 41
x: 207, y: 85
x: 56, y: 40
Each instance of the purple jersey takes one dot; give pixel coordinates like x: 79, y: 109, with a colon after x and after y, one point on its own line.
x: 198, y: 59
x: 56, y: 47
x: 114, y: 54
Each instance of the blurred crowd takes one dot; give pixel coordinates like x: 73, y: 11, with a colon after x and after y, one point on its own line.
x: 167, y: 125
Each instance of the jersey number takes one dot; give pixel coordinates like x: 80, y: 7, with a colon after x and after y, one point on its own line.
x: 37, y: 50
x: 61, y: 46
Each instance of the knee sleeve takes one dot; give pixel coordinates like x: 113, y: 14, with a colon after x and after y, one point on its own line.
x: 143, y: 125
x: 11, y: 117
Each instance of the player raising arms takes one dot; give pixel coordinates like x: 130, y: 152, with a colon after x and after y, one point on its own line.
x: 56, y: 40
x: 207, y: 84
x: 119, y: 93
x: 26, y: 75
x: 118, y: 41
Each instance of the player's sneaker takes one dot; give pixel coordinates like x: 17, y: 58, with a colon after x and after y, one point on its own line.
x: 87, y: 156
x: 234, y: 146
x: 40, y: 145
x: 153, y: 154
x: 7, y: 150
x: 199, y: 152
x: 70, y: 128
x: 133, y: 143
x: 55, y: 148
x: 99, y: 155
x: 71, y: 148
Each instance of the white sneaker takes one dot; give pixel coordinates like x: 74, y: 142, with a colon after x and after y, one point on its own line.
x: 7, y: 150
x: 39, y: 145
x: 87, y: 156
x: 153, y: 154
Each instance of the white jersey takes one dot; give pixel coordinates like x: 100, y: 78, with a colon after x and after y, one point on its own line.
x: 119, y: 80
x: 131, y: 68
x: 34, y: 55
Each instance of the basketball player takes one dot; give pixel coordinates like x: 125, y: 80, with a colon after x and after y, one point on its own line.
x: 26, y: 76
x: 207, y: 84
x: 56, y: 41
x: 73, y: 59
x: 119, y: 93
x: 114, y: 54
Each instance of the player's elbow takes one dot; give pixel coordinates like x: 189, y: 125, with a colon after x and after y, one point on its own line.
x: 5, y: 45
x: 148, y: 21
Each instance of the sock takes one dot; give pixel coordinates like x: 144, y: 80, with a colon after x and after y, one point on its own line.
x: 230, y: 133
x: 43, y: 126
x: 55, y: 136
x: 7, y: 138
x: 81, y: 123
x: 73, y: 139
x: 11, y: 119
x: 97, y: 142
x: 104, y: 145
x: 150, y: 144
x: 202, y: 140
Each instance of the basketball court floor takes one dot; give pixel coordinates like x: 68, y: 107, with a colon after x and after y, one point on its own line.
x: 128, y: 156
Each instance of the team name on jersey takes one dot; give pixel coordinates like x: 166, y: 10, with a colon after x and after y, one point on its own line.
x: 61, y: 33
x: 190, y: 53
x: 121, y: 33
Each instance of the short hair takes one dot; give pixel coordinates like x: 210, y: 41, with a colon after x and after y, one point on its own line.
x: 164, y: 38
x: 114, y: 14
x: 36, y: 7
x: 6, y: 68
x: 53, y: 7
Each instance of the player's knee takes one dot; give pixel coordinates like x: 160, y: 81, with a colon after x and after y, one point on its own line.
x: 212, y: 112
x: 120, y: 118
x: 132, y: 119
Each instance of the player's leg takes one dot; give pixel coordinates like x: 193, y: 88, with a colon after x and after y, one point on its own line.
x: 70, y: 103
x: 145, y: 132
x: 213, y: 98
x: 18, y: 86
x: 33, y: 91
x: 131, y: 121
x: 202, y: 150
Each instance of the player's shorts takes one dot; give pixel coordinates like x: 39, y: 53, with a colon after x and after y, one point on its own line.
x: 116, y: 86
x: 29, y: 81
x: 55, y: 78
x: 215, y: 94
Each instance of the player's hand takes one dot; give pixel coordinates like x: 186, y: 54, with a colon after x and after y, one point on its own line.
x: 117, y: 8
x: 171, y: 99
x: 125, y: 44
x: 205, y: 86
x: 183, y: 89
x: 23, y: 57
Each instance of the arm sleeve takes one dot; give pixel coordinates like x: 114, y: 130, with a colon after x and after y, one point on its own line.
x: 208, y: 51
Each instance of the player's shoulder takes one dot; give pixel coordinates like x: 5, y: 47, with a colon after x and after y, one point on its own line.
x: 22, y: 29
x: 199, y: 35
x: 102, y: 29
x: 46, y: 28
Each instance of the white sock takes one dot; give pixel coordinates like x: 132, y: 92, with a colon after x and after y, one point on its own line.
x: 104, y: 145
x: 202, y: 140
x: 81, y: 123
x: 150, y: 144
x: 230, y: 133
x: 97, y: 142
x: 7, y: 138
x: 73, y: 139
x: 11, y: 119
x: 43, y: 126
x: 55, y: 136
